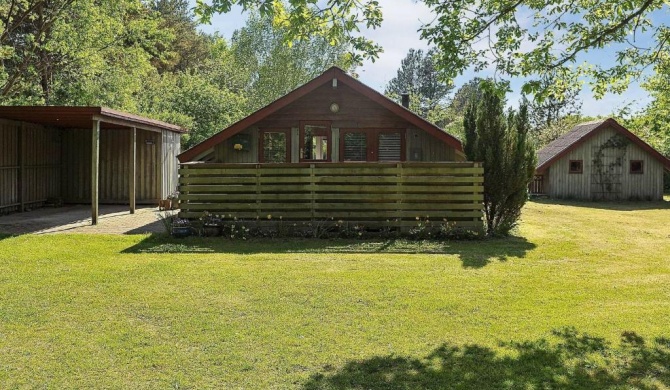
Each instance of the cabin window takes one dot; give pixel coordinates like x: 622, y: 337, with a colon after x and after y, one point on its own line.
x: 315, y: 145
x: 576, y: 166
x: 274, y: 147
x: 389, y: 147
x: 355, y: 146
x: 637, y: 167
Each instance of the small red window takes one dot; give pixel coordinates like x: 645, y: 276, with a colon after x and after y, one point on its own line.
x: 637, y: 167
x: 576, y: 166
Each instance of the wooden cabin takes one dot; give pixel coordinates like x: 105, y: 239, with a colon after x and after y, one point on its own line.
x: 333, y: 118
x: 600, y: 160
x: 333, y: 151
x: 87, y: 155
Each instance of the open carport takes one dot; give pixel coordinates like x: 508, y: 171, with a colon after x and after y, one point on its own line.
x: 84, y: 155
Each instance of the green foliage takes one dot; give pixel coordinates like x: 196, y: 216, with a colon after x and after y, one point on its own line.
x: 530, y: 38
x: 337, y: 22
x: 418, y: 76
x: 501, y: 142
x: 271, y: 69
x: 147, y: 57
x: 548, y: 108
x: 651, y: 124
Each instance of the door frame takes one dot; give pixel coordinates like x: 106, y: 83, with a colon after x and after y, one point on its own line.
x: 327, y: 132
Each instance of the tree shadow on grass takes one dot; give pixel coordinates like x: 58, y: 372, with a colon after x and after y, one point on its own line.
x: 609, y: 205
x: 473, y: 254
x: 568, y: 360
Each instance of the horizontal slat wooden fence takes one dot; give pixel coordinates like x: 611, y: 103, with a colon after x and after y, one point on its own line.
x: 372, y: 194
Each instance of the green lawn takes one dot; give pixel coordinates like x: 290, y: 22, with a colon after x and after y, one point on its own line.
x: 581, y: 299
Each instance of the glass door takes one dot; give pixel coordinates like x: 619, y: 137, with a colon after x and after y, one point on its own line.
x: 315, y: 141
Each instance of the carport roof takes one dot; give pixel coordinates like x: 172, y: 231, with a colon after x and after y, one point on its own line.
x: 81, y: 117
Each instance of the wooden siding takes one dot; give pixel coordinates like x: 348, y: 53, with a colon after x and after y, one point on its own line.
x: 41, y: 155
x: 171, y: 147
x: 34, y: 166
x: 562, y: 184
x: 373, y: 194
x: 431, y: 149
x: 356, y: 112
x: 114, y: 166
x: 226, y: 153
x: 9, y: 165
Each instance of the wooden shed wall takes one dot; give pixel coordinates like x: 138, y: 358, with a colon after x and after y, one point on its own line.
x: 42, y: 159
x: 170, y: 148
x: 29, y: 155
x: 9, y: 165
x: 563, y: 184
x: 114, y: 166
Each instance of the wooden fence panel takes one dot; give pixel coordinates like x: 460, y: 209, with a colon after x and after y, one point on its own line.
x: 371, y: 194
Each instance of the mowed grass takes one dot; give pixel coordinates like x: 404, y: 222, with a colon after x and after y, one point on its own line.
x: 580, y: 299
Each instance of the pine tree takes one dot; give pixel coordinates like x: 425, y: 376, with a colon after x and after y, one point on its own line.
x: 501, y: 142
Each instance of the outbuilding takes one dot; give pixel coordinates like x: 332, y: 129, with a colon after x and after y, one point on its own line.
x: 84, y: 155
x: 600, y: 160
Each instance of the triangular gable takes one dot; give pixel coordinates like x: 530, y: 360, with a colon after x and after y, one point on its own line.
x: 583, y: 132
x: 296, y: 94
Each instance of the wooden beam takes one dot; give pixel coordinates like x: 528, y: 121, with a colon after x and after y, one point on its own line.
x: 95, y: 162
x: 125, y: 123
x: 160, y: 160
x: 22, y: 167
x: 133, y: 168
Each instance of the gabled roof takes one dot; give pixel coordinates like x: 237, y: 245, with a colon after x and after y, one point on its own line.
x: 299, y: 92
x: 581, y: 133
x: 81, y: 117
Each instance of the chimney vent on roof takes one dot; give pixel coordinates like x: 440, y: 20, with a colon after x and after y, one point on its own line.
x: 405, y: 100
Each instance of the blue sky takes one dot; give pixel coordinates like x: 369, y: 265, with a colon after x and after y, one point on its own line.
x: 399, y: 33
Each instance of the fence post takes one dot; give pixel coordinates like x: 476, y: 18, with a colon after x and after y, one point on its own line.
x: 399, y: 193
x: 258, y: 191
x: 312, y: 184
x: 477, y: 165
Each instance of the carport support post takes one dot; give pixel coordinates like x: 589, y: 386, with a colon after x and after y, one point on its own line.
x: 133, y: 166
x: 95, y: 160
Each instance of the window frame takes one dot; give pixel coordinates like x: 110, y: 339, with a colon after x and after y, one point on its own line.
x: 403, y: 141
x: 581, y: 167
x: 630, y: 167
x: 261, y: 144
x: 372, y: 143
x: 344, y: 132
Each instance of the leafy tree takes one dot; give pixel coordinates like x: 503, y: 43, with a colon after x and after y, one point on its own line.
x: 337, y: 21
x: 465, y: 94
x: 547, y: 110
x: 189, y: 48
x: 27, y: 48
x: 501, y: 142
x: 542, y: 136
x: 651, y: 124
x: 526, y: 38
x: 272, y: 68
x: 78, y: 51
x: 418, y: 76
